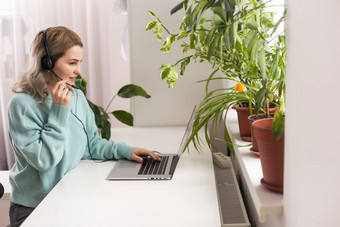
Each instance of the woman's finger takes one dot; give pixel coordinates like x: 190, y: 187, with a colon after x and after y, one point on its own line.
x: 61, y: 94
x: 154, y: 156
x: 136, y: 158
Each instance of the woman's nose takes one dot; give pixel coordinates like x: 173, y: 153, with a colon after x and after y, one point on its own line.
x: 77, y: 71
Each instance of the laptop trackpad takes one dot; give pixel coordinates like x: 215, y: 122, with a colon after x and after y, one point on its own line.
x: 127, y: 164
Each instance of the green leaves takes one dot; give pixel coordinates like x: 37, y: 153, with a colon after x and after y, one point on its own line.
x: 181, y: 35
x: 262, y: 59
x: 199, y: 7
x: 250, y: 40
x: 221, y: 13
x: 252, y: 24
x: 132, y: 90
x: 151, y: 25
x: 278, y: 125
x: 96, y: 111
x: 152, y: 13
x: 170, y: 74
x: 106, y: 130
x: 178, y: 7
x: 156, y: 25
x: 167, y: 43
x: 230, y: 36
x: 260, y: 98
x: 124, y: 117
x: 100, y: 114
x: 233, y: 34
x: 184, y: 64
x: 187, y: 20
x: 81, y: 83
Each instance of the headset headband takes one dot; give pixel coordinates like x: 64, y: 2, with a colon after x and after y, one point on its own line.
x: 45, y: 43
x: 46, y: 61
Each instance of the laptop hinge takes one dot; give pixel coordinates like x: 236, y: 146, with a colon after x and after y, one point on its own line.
x: 173, y: 164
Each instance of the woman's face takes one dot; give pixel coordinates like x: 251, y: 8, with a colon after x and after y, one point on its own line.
x: 67, y: 67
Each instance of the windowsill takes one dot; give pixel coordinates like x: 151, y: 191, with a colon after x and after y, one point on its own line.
x: 265, y: 201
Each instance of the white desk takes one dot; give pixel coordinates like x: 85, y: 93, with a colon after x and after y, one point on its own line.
x: 85, y: 198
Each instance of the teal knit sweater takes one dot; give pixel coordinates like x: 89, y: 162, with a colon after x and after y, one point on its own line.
x: 49, y: 141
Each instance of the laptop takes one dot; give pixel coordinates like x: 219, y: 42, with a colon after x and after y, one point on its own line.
x: 151, y: 169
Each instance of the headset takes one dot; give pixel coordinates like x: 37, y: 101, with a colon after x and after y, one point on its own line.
x: 47, y: 61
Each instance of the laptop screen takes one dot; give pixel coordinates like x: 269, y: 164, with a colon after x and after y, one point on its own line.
x: 187, y: 132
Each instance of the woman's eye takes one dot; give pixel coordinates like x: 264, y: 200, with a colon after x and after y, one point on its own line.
x: 72, y: 63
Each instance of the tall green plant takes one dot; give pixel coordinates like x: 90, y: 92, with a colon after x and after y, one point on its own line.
x: 102, y: 115
x: 238, y: 39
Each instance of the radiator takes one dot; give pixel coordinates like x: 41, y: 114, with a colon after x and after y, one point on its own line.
x: 231, y: 206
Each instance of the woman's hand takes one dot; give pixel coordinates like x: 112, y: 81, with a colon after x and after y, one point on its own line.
x: 138, y: 152
x: 61, y: 94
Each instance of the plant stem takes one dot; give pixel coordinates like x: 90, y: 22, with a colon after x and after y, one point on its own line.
x: 231, y: 11
x: 110, y: 102
x: 267, y: 109
x: 276, y: 36
x: 182, y: 60
x: 165, y: 27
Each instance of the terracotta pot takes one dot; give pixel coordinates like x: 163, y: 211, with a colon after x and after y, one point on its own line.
x: 243, y: 122
x: 251, y: 119
x: 271, y: 155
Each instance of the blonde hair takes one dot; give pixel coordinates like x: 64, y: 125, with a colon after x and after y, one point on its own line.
x: 34, y: 80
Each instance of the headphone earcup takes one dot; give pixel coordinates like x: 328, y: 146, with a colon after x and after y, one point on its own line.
x: 47, y: 63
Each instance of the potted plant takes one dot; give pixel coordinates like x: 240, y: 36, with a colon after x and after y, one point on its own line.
x: 271, y: 149
x: 280, y: 52
x: 269, y: 133
x: 235, y: 38
x: 102, y: 115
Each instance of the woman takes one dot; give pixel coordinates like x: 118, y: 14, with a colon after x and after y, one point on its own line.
x: 51, y: 126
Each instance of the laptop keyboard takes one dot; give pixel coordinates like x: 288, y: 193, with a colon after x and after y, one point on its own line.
x: 153, y: 167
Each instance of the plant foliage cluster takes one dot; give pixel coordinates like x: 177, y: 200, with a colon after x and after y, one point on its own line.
x: 239, y: 39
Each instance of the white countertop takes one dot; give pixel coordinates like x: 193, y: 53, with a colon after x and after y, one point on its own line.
x: 85, y: 198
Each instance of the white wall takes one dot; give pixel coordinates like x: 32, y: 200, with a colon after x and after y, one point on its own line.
x: 312, y: 151
x: 113, y: 23
x: 167, y: 107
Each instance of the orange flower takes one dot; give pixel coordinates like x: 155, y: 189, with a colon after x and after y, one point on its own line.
x: 239, y: 87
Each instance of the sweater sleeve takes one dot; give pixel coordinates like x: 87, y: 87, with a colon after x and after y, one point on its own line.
x: 102, y: 148
x: 37, y: 139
